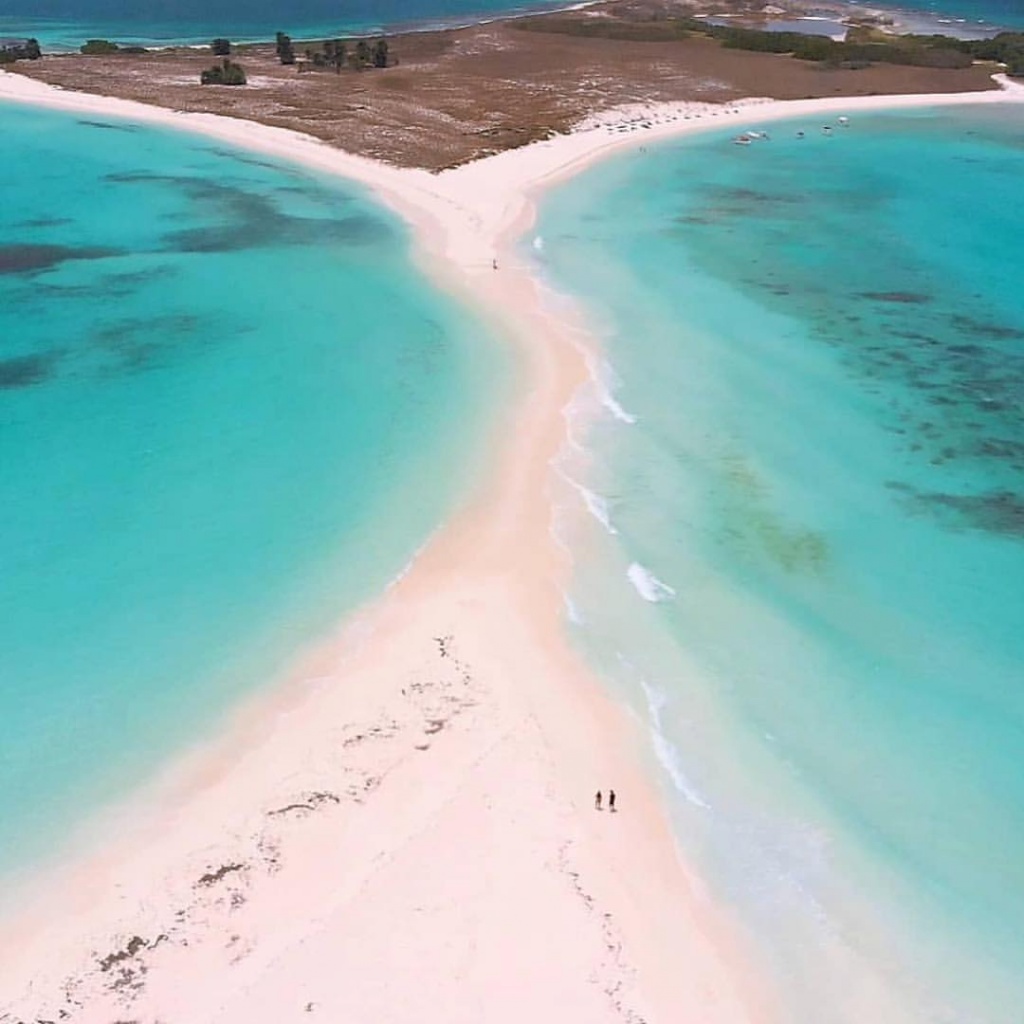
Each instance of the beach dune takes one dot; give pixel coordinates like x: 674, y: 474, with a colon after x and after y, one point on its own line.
x: 404, y: 829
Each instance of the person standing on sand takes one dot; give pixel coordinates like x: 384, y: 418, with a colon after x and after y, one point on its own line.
x: 611, y: 800
x: 597, y: 800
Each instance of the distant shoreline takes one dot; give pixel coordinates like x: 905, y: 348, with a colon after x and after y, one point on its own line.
x: 429, y: 772
x: 305, y: 35
x: 447, y: 98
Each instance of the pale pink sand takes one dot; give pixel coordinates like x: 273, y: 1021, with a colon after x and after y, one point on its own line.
x: 404, y: 831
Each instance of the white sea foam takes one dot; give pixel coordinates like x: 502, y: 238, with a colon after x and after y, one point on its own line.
x: 596, y: 505
x: 606, y: 382
x: 670, y: 760
x: 609, y: 402
x: 598, y: 508
x: 572, y: 611
x: 647, y: 585
x: 666, y: 751
x: 576, y: 413
x: 602, y: 376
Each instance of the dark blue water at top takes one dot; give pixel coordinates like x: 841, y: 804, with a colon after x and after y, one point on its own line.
x: 66, y: 23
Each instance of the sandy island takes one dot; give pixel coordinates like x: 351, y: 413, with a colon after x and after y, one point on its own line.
x: 404, y: 831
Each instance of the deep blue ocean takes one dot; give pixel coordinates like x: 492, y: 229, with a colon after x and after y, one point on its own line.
x: 801, y: 544
x: 216, y: 375
x: 948, y: 13
x: 65, y: 24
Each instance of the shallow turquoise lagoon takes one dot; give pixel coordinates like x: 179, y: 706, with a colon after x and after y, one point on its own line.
x: 815, y: 585
x: 227, y: 414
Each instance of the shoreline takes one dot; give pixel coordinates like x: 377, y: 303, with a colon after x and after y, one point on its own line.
x: 311, y: 35
x: 902, y: 19
x: 435, y: 759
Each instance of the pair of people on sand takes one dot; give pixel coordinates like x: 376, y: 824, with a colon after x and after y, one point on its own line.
x: 611, y: 800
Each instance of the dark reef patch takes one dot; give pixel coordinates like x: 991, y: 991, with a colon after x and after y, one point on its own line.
x: 25, y: 371
x: 999, y: 511
x: 983, y: 329
x: 109, y: 126
x: 902, y: 298
x: 142, y: 343
x: 31, y: 259
x: 118, y: 285
x: 44, y: 222
x: 127, y: 281
x: 251, y: 220
x: 254, y: 230
x: 747, y: 197
x: 252, y: 161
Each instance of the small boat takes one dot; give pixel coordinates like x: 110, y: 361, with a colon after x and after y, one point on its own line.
x: 743, y: 140
x: 844, y: 122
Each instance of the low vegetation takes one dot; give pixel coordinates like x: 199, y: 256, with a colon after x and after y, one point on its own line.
x: 1006, y: 48
x: 24, y: 49
x: 225, y: 73
x: 862, y: 46
x: 285, y: 51
x: 336, y: 54
x: 104, y: 47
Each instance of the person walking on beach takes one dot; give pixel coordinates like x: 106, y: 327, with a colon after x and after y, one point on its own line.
x: 597, y: 800
x: 611, y: 800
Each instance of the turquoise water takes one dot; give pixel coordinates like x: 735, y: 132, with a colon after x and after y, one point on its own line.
x: 216, y: 376
x: 956, y: 16
x: 66, y: 24
x: 806, y: 559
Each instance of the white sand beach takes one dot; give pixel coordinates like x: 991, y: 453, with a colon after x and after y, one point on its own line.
x: 404, y: 829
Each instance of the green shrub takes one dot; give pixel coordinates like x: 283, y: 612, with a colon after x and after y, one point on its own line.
x: 226, y: 73
x: 99, y: 46
x: 28, y: 50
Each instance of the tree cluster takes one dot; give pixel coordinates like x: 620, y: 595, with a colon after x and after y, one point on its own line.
x: 335, y: 53
x: 366, y: 56
x: 225, y: 73
x: 221, y: 47
x: 25, y: 49
x: 285, y: 51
